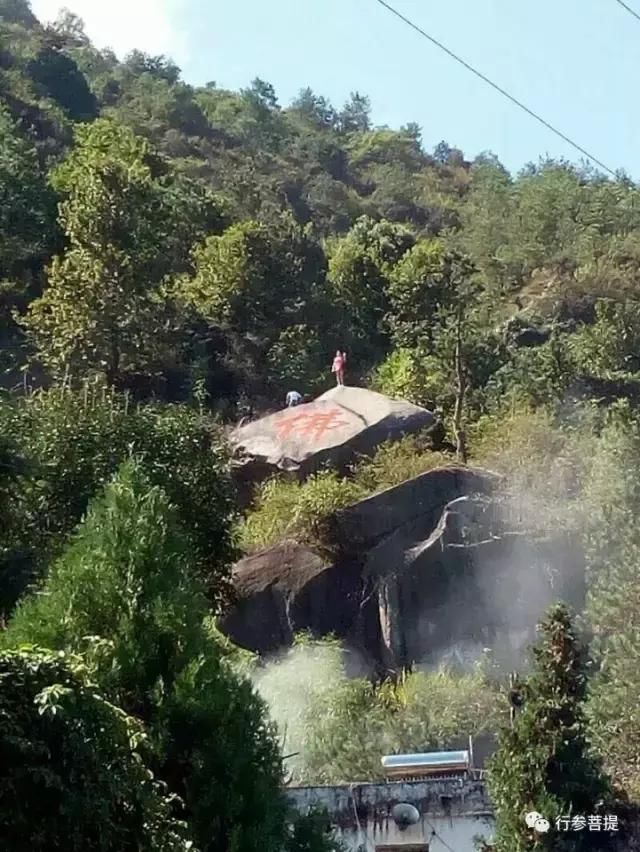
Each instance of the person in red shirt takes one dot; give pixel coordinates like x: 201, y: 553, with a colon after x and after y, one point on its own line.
x: 338, y: 366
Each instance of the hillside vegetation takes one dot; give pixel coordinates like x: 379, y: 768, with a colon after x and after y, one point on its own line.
x: 173, y: 258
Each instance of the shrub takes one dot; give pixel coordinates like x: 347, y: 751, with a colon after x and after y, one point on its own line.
x: 421, y: 378
x: 296, y: 359
x: 75, y: 441
x: 286, y: 508
x: 396, y: 461
x: 124, y: 592
x: 357, y: 723
x: 312, y: 832
x: 341, y: 726
x: 610, y: 346
x: 72, y: 774
x: 544, y: 463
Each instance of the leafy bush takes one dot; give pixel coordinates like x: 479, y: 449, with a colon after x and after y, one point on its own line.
x: 296, y: 359
x: 402, y: 375
x: 72, y: 774
x: 286, y: 508
x: 542, y: 376
x: 360, y: 722
x: 312, y: 832
x: 611, y: 346
x: 125, y: 594
x: 396, y: 461
x: 73, y: 443
x: 543, y: 461
x: 341, y: 726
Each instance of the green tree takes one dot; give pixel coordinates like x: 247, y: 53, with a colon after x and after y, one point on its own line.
x: 73, y: 442
x: 138, y: 63
x: 252, y: 279
x: 486, y: 222
x: 312, y: 832
x: 27, y: 206
x: 73, y: 773
x: 359, y: 268
x: 297, y: 359
x: 70, y: 28
x: 424, y: 282
x: 314, y: 109
x: 97, y: 307
x: 612, y: 503
x: 262, y: 288
x: 355, y: 115
x: 612, y: 344
x: 544, y: 762
x: 542, y: 375
x: 17, y: 12
x: 125, y: 594
x: 57, y: 77
x: 549, y: 198
x: 404, y: 375
x: 261, y: 122
x: 129, y: 224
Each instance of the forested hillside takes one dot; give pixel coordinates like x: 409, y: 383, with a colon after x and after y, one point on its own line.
x: 173, y: 258
x: 253, y: 239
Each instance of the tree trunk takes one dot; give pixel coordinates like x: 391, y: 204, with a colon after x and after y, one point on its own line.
x: 461, y: 389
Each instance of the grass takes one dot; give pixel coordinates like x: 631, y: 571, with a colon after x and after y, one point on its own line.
x: 287, y: 509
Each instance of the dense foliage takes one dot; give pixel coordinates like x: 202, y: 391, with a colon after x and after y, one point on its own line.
x: 174, y: 256
x: 125, y: 594
x: 284, y: 508
x: 543, y: 763
x: 613, y: 550
x: 217, y: 237
x: 338, y: 726
x: 70, y: 444
x: 73, y: 774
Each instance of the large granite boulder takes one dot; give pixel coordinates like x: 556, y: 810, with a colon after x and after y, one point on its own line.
x: 418, y: 501
x: 470, y: 584
x: 335, y: 428
x: 424, y: 571
x: 288, y: 589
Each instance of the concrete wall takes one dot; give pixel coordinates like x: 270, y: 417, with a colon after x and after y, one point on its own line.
x: 452, y: 813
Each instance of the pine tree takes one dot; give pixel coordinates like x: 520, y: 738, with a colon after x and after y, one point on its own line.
x: 126, y: 596
x: 544, y: 762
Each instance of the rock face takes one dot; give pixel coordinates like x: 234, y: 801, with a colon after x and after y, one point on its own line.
x: 421, y: 572
x: 416, y: 503
x: 287, y: 589
x: 334, y: 428
x: 471, y: 584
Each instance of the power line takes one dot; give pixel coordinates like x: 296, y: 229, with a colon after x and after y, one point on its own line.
x: 629, y: 9
x: 497, y: 87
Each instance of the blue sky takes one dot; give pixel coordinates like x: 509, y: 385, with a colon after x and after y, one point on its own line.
x: 573, y: 61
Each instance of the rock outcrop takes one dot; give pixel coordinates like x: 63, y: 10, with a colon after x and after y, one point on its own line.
x: 416, y: 504
x: 419, y: 572
x: 288, y: 589
x: 334, y: 429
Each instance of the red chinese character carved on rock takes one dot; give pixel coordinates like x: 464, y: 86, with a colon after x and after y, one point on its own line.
x: 313, y: 424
